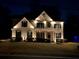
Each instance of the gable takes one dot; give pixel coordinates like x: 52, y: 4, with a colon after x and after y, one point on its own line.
x: 19, y: 24
x: 44, y: 17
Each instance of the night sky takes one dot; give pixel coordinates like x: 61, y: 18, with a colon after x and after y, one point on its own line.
x: 10, y: 8
x: 66, y: 7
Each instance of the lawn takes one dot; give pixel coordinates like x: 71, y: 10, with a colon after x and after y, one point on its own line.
x: 39, y: 48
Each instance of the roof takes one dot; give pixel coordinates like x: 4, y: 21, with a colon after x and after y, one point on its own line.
x: 32, y: 16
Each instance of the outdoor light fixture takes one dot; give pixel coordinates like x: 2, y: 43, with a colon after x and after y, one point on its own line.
x: 15, y: 27
x: 44, y: 22
x: 35, y: 21
x: 31, y: 26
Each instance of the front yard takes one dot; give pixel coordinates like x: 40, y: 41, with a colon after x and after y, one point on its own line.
x: 39, y: 48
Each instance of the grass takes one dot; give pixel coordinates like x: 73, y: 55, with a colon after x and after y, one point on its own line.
x: 39, y: 48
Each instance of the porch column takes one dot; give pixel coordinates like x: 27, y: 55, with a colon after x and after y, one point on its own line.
x: 51, y: 36
x: 13, y: 34
x: 45, y: 35
x: 34, y: 36
x: 24, y: 35
x: 62, y: 36
x: 54, y: 37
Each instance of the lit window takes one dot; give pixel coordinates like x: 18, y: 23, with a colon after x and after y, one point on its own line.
x: 57, y: 26
x: 24, y: 23
x: 40, y: 25
x: 58, y: 35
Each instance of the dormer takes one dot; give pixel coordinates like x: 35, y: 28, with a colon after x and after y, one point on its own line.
x: 23, y: 23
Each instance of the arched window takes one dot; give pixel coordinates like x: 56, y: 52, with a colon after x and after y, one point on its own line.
x: 40, y: 25
x: 24, y: 23
x: 57, y: 26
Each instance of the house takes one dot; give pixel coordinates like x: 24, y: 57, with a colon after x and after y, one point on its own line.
x: 41, y: 29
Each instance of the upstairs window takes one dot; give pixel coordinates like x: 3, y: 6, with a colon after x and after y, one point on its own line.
x: 40, y: 25
x: 48, y: 24
x: 24, y: 23
x: 57, y: 26
x: 58, y: 35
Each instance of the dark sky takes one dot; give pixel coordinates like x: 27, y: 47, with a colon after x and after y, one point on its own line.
x: 66, y: 7
x: 19, y: 7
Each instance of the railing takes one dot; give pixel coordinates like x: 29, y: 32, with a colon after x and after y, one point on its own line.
x: 47, y: 29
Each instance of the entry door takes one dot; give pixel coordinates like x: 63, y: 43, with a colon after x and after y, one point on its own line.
x: 18, y: 36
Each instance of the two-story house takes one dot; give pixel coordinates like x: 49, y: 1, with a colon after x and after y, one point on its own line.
x: 42, y: 29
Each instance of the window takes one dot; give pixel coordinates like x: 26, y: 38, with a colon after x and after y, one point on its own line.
x: 40, y: 25
x: 24, y: 23
x: 18, y: 33
x: 40, y: 35
x: 58, y: 35
x: 29, y: 34
x: 57, y: 26
x: 48, y: 24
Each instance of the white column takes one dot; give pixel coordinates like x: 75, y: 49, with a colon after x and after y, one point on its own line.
x: 54, y: 37
x: 45, y: 35
x: 62, y: 36
x: 34, y: 36
x: 13, y: 34
x: 24, y: 35
x: 51, y: 38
